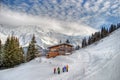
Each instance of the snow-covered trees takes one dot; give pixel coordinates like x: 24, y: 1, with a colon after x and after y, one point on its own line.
x: 99, y: 35
x: 60, y: 42
x: 118, y: 25
x: 84, y: 43
x: 67, y: 41
x: 12, y: 53
x: 32, y: 50
x: 104, y: 32
x: 0, y: 47
x: 112, y: 28
x: 77, y: 47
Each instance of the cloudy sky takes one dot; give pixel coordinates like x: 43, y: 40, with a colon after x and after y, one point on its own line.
x: 95, y: 13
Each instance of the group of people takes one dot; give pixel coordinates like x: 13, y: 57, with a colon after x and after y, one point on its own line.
x: 58, y: 70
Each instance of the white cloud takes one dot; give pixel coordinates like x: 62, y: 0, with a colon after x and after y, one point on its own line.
x: 114, y: 6
x: 20, y: 19
x: 70, y: 10
x: 87, y: 6
x: 34, y: 1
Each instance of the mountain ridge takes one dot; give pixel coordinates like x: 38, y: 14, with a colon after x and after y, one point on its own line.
x: 45, y: 35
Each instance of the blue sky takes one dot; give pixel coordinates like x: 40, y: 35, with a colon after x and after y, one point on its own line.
x: 90, y: 12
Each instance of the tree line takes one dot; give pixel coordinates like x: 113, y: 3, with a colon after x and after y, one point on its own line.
x: 12, y: 54
x: 99, y: 35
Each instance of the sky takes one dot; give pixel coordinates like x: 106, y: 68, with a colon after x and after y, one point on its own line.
x: 95, y: 13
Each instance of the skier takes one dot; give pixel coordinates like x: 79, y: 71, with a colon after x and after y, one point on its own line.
x: 63, y: 69
x: 54, y: 70
x: 67, y: 68
x: 58, y: 69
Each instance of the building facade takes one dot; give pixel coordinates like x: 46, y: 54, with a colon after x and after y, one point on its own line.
x: 60, y: 49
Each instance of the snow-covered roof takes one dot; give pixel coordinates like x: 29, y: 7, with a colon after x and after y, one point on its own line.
x: 61, y: 44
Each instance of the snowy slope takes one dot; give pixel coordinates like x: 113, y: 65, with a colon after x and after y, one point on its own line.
x: 99, y: 61
x: 110, y: 71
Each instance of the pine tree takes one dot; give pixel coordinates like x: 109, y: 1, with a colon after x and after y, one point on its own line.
x: 104, y: 32
x: 99, y: 35
x: 77, y: 47
x: 67, y: 41
x: 60, y: 41
x: 89, y: 41
x: 0, y: 53
x: 19, y: 50
x: 12, y: 52
x: 118, y: 25
x: 32, y: 50
x: 84, y: 43
x: 112, y: 28
x: 0, y: 47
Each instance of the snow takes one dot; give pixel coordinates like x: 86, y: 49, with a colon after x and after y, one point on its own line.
x: 110, y: 71
x: 47, y: 31
x: 99, y: 61
x: 46, y: 34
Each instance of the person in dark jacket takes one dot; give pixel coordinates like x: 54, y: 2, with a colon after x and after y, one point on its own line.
x: 63, y: 69
x: 54, y: 70
x: 58, y: 69
x: 67, y: 68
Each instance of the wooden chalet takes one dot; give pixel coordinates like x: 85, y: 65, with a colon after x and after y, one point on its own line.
x: 60, y: 49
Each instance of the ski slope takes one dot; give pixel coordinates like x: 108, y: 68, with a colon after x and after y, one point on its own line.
x: 99, y: 61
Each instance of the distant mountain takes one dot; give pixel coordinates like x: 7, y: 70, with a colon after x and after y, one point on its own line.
x: 99, y: 61
x: 46, y: 35
x: 55, y: 20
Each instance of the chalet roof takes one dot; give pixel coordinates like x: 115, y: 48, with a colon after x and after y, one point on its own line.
x: 61, y: 44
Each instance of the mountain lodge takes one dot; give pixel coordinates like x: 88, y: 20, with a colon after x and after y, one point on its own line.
x: 60, y: 49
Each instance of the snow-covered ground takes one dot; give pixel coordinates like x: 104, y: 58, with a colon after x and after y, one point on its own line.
x: 99, y: 61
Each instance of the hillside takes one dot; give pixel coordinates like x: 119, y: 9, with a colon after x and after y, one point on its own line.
x: 99, y: 61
